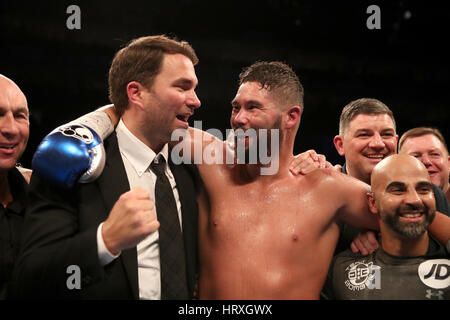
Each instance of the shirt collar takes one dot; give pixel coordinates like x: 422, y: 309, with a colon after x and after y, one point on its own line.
x: 138, y: 153
x: 19, y: 191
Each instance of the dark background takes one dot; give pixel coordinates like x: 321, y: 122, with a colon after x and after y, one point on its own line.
x: 63, y: 72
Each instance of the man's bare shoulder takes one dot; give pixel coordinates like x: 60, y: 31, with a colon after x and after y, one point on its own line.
x: 330, y: 178
x: 321, y: 176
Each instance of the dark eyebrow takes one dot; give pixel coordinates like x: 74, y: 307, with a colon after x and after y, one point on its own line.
x: 362, y: 130
x: 388, y: 130
x: 382, y: 130
x: 22, y: 109
x: 424, y: 184
x: 395, y: 184
x: 19, y: 109
x: 248, y: 102
x: 185, y: 81
x: 254, y: 102
x: 398, y: 184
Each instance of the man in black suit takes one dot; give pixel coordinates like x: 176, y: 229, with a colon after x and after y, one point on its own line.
x: 14, y: 133
x: 107, y: 232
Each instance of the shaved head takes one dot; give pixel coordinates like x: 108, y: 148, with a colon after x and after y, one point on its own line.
x: 402, y: 196
x: 394, y: 166
x: 14, y: 124
x: 11, y: 91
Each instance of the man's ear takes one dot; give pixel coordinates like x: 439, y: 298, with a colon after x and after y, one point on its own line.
x: 448, y: 159
x: 339, y: 145
x: 134, y: 93
x: 371, y: 201
x: 293, y: 115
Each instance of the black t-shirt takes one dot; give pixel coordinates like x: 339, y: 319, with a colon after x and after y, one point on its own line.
x: 381, y: 276
x: 11, y: 220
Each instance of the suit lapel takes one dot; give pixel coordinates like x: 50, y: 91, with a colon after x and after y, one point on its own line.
x: 113, y: 183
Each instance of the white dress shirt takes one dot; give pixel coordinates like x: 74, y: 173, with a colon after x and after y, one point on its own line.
x: 137, y: 158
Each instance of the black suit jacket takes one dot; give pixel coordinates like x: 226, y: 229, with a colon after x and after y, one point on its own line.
x: 60, y: 231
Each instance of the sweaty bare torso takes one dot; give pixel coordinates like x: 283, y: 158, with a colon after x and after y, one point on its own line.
x: 265, y: 240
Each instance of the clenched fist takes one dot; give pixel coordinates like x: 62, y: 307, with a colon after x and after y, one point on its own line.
x: 130, y: 221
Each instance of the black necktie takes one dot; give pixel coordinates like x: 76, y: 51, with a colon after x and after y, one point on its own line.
x: 171, y: 246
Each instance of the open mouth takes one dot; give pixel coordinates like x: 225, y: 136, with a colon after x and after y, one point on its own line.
x: 375, y: 157
x: 412, y: 216
x: 3, y: 146
x: 184, y: 117
x: 7, y: 147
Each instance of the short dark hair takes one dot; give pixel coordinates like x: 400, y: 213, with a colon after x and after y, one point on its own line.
x: 140, y: 60
x: 362, y: 106
x: 421, y: 131
x: 277, y: 77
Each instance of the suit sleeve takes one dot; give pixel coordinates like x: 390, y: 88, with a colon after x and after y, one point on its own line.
x: 56, y: 244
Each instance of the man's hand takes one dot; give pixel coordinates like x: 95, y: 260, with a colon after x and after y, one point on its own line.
x: 307, y: 162
x: 130, y: 221
x: 365, y: 242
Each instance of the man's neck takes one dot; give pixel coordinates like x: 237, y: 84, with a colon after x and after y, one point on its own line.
x: 400, y: 246
x: 155, y: 142
x: 356, y: 175
x: 447, y: 193
x: 278, y: 167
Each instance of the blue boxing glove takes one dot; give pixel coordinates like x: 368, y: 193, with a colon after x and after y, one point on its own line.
x: 69, y: 154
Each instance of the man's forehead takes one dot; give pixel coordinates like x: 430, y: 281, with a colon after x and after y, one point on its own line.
x: 405, y: 170
x: 406, y: 173
x: 11, y: 95
x: 251, y: 91
x: 425, y: 142
x: 178, y: 64
x: 369, y: 121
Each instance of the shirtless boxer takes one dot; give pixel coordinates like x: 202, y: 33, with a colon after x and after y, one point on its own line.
x: 271, y: 236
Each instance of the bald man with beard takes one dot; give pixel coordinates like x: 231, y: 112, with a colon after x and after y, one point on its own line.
x: 410, y: 263
x: 14, y: 132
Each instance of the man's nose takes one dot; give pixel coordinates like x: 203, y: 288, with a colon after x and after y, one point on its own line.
x: 425, y: 160
x: 413, y: 198
x: 376, y: 142
x: 240, y: 118
x: 194, y: 101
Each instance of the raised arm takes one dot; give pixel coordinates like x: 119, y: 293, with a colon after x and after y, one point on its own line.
x: 355, y: 209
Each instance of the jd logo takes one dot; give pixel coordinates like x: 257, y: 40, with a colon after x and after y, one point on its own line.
x: 435, y: 273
